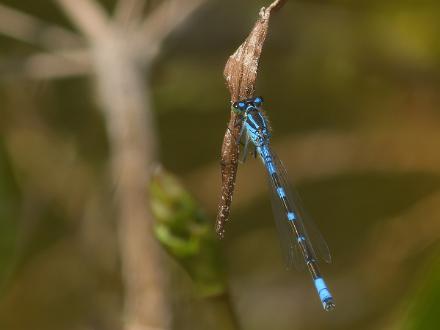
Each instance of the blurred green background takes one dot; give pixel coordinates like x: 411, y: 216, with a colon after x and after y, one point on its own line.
x: 352, y: 89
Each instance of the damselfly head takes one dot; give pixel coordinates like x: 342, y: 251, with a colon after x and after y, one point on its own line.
x: 254, y: 102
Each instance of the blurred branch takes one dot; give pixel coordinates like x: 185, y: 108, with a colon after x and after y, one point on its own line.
x: 26, y: 28
x: 59, y: 65
x: 241, y: 74
x: 127, y: 106
x: 162, y: 21
x: 63, y: 61
x: 125, y: 98
x: 126, y: 103
x: 129, y: 11
x: 88, y: 15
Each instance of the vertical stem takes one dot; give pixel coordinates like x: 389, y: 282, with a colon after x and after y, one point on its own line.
x: 241, y: 75
x: 124, y: 97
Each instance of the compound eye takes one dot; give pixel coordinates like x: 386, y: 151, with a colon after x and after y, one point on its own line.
x: 258, y: 101
x: 241, y: 105
x: 236, y: 105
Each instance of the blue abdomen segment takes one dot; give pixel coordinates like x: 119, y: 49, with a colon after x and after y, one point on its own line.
x: 266, y: 157
x: 324, y: 294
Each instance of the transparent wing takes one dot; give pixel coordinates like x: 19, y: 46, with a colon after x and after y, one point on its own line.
x: 288, y: 243
x: 288, y: 238
x: 245, y: 141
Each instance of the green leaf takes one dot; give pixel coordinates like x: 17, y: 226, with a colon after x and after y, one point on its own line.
x: 186, y: 233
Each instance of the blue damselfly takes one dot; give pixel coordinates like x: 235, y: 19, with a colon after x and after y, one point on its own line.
x: 300, y: 240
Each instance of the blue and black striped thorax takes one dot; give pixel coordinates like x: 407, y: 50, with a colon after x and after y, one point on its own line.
x: 254, y: 121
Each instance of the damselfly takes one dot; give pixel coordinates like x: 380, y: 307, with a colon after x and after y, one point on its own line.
x: 296, y: 234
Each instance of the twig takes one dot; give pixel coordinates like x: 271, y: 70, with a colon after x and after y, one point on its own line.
x: 132, y: 137
x: 26, y: 28
x: 163, y: 21
x: 56, y: 66
x: 129, y: 11
x: 276, y: 5
x: 124, y: 95
x: 89, y: 17
x: 240, y: 74
x: 126, y: 104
